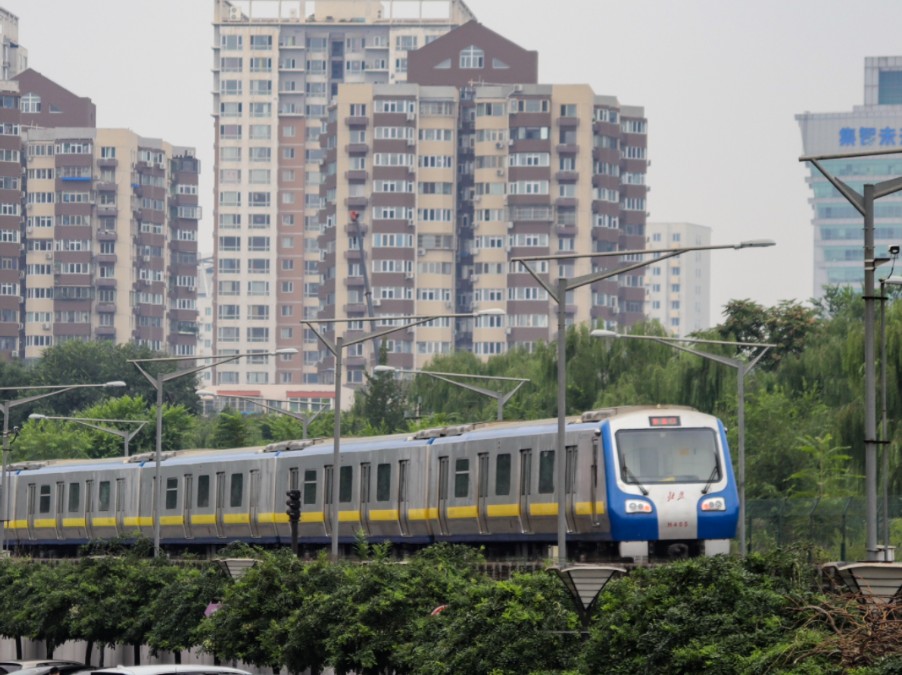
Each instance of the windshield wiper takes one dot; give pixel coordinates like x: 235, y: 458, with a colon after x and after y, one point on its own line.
x: 631, y: 476
x: 715, y: 472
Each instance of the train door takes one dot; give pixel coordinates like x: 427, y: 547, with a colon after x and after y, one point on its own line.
x: 89, y: 508
x: 32, y: 489
x: 58, y: 510
x: 220, y: 502
x: 593, y: 482
x: 403, y: 503
x: 120, y: 506
x: 365, y: 496
x: 570, y: 486
x: 187, y: 507
x: 327, y: 500
x: 254, y: 502
x: 482, y: 492
x: 443, y: 478
x: 525, y: 489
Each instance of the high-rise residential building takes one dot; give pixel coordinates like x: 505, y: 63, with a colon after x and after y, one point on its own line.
x: 98, y: 228
x: 678, y: 290
x: 874, y: 126
x: 278, y: 66
x: 432, y: 188
x: 15, y: 56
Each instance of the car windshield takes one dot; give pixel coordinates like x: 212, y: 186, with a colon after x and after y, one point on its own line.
x: 667, y: 456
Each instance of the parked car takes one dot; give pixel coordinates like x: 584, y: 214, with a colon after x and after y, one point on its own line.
x: 60, y: 668
x: 19, y: 666
x: 173, y: 669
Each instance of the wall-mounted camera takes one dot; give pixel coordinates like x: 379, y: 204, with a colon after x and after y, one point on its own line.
x: 894, y: 250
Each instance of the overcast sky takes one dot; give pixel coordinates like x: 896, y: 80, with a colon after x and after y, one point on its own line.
x: 721, y: 83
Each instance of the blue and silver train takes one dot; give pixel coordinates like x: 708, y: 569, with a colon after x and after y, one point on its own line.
x: 639, y: 482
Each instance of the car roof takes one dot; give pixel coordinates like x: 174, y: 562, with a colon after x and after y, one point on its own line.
x: 171, y: 669
x: 12, y: 665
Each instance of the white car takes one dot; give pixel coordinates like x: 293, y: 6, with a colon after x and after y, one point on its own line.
x: 172, y: 669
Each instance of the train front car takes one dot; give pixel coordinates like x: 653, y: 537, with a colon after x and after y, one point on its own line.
x: 670, y: 484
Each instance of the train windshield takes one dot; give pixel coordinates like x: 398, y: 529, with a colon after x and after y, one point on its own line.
x: 668, y: 456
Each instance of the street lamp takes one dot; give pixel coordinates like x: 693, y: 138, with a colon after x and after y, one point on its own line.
x: 558, y: 293
x: 742, y: 369
x: 864, y: 204
x: 501, y: 397
x: 5, y: 407
x: 125, y: 435
x: 303, y: 418
x: 158, y: 383
x: 337, y: 348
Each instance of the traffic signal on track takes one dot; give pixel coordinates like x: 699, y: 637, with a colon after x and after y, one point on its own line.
x: 294, y: 505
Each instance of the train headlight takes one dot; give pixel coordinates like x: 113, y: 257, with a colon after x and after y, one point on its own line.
x: 714, y: 504
x: 638, y: 506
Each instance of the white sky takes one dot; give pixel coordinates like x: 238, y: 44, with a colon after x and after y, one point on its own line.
x: 721, y: 83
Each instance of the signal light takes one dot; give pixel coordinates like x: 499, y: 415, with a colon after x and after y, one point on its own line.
x: 294, y: 505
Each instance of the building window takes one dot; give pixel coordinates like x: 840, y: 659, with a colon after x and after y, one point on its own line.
x: 472, y: 58
x: 30, y: 103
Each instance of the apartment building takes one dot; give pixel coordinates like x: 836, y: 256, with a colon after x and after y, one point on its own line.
x: 98, y: 232
x: 277, y: 67
x: 14, y: 56
x: 678, y: 291
x: 432, y: 188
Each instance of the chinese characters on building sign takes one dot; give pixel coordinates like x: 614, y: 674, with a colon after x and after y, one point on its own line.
x: 865, y: 136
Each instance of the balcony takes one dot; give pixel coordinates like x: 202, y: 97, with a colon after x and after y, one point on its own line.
x: 357, y: 148
x: 357, y: 121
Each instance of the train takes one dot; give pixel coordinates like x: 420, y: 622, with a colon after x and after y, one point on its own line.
x: 640, y: 482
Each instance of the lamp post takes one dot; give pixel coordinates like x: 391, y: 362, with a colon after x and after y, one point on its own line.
x: 158, y: 382
x: 558, y: 293
x: 742, y: 369
x: 304, y: 419
x: 501, y: 397
x: 5, y: 407
x: 336, y: 348
x: 864, y: 204
x: 125, y: 435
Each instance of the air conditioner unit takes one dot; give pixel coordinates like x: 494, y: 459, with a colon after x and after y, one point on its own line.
x: 411, y: 222
x: 421, y: 251
x: 499, y: 172
x: 510, y: 142
x: 29, y: 228
x: 235, y: 13
x: 477, y: 199
x: 507, y: 331
x: 411, y: 141
x: 474, y: 278
x: 45, y: 326
x: 518, y: 87
x: 411, y: 117
x: 499, y: 145
x: 408, y: 275
x: 377, y: 302
x: 21, y: 326
x: 48, y: 256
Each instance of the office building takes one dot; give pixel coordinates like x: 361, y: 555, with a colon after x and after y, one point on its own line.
x: 431, y: 188
x: 277, y: 67
x: 678, y: 291
x: 874, y: 126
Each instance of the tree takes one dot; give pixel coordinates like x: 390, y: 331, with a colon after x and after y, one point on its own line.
x: 382, y: 402
x: 233, y: 430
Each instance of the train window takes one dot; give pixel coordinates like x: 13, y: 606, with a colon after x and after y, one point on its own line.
x: 546, y: 472
x: 236, y: 489
x: 44, y: 500
x: 74, y: 497
x: 462, y: 478
x: 310, y: 487
x: 203, y: 492
x: 383, y: 482
x: 345, y: 476
x: 103, y: 496
x: 503, y: 474
x: 172, y: 493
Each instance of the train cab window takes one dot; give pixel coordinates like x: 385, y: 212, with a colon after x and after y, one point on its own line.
x: 203, y: 492
x: 503, y: 474
x: 103, y: 495
x: 462, y: 478
x: 310, y: 487
x: 345, y: 477
x: 236, y: 489
x: 44, y: 500
x: 546, y: 472
x: 172, y: 493
x: 383, y: 482
x: 74, y: 497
